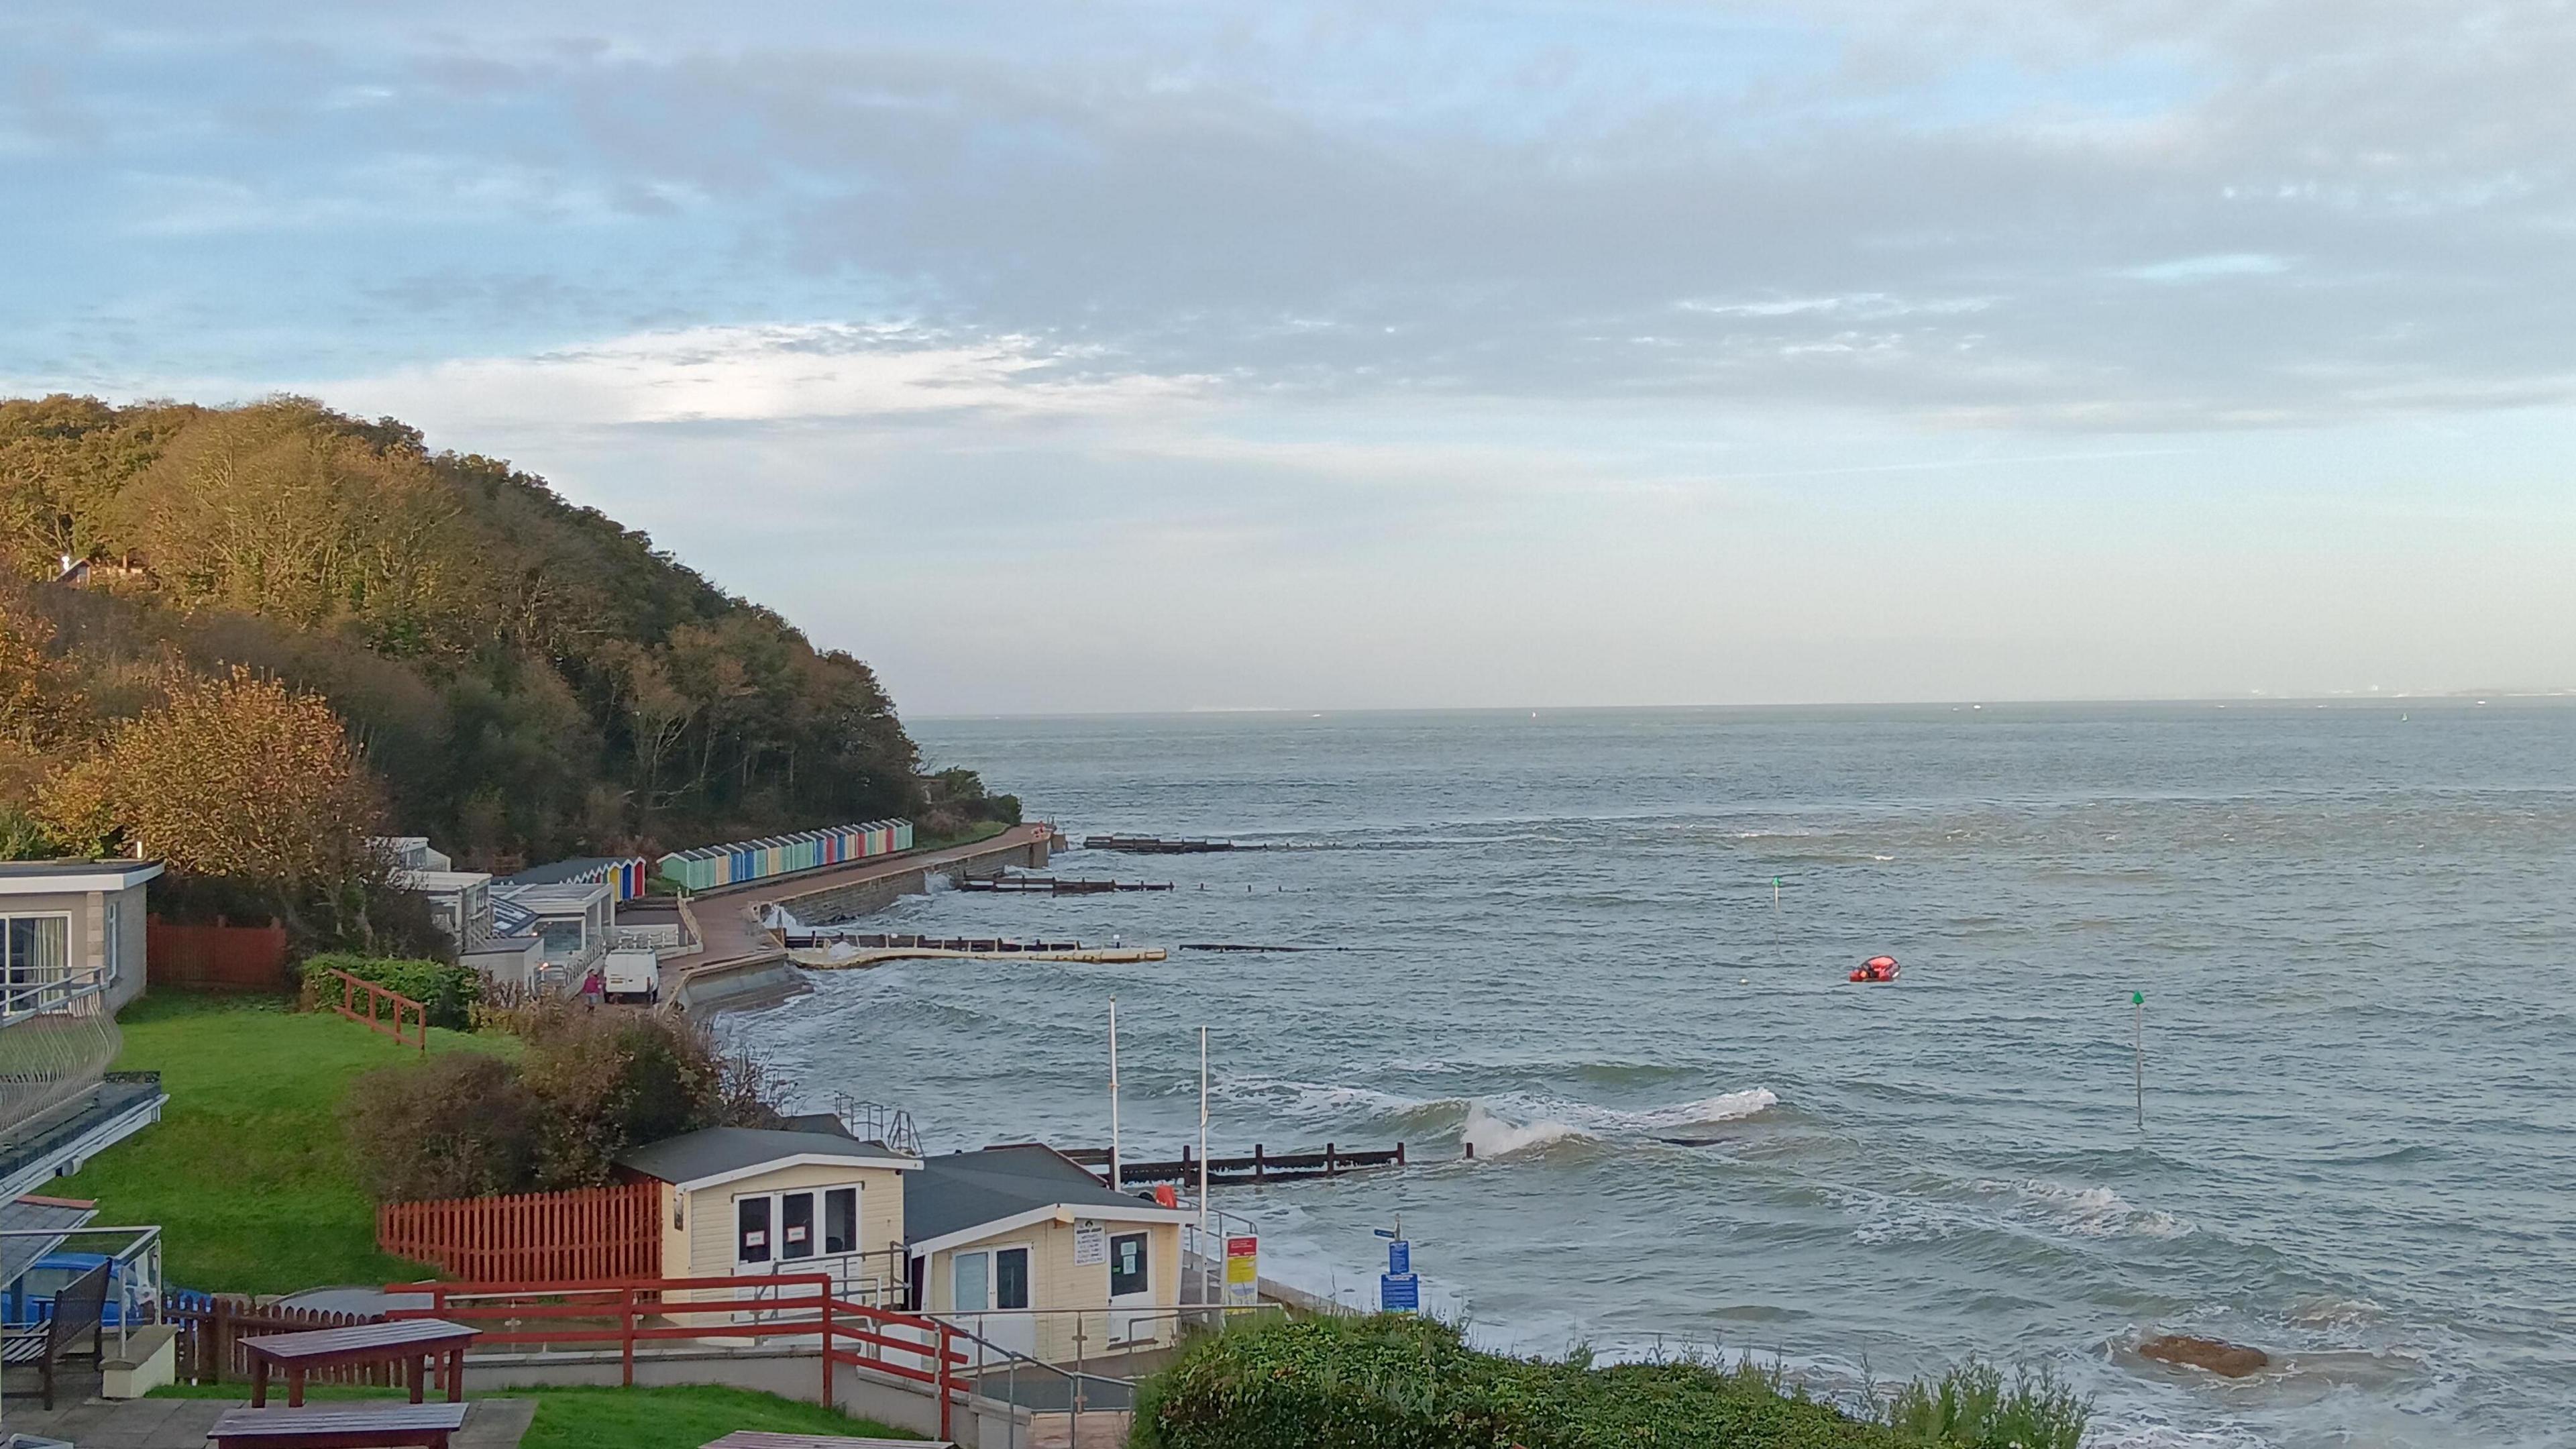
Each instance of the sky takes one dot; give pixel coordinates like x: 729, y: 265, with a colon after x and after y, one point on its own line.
x: 1144, y: 356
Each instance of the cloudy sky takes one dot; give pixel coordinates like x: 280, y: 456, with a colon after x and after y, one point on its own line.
x: 1165, y: 356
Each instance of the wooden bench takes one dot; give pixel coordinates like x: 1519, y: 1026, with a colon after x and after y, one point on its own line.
x: 340, y: 1426
x: 80, y: 1308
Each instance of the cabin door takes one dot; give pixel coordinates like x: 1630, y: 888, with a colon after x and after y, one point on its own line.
x: 1131, y: 1288
x: 990, y: 1290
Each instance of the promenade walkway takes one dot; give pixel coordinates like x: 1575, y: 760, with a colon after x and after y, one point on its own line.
x: 729, y: 926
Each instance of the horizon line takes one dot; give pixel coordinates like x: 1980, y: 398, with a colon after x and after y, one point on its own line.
x: 2472, y: 697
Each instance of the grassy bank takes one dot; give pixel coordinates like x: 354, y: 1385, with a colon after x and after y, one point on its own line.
x: 249, y: 1170
x: 981, y: 830
x: 669, y: 1418
x: 1414, y: 1382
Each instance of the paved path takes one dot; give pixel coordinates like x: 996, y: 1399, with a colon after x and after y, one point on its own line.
x: 725, y: 921
x: 182, y: 1423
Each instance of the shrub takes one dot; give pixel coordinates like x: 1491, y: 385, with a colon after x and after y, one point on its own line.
x: 457, y: 1125
x: 1409, y: 1383
x: 1969, y: 1408
x: 449, y: 992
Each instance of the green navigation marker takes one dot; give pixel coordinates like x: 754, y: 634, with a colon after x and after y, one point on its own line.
x: 2137, y: 998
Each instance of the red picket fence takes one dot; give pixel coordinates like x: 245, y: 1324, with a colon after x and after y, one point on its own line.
x: 584, y: 1235
x: 393, y: 1005
x: 208, y: 1349
x: 220, y: 957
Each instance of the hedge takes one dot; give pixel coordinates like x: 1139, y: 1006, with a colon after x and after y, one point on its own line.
x: 449, y: 992
x: 1410, y: 1383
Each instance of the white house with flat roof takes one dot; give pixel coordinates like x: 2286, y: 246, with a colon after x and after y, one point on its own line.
x: 72, y: 952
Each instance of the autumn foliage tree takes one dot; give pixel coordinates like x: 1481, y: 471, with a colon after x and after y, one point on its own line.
x: 529, y: 677
x: 242, y: 778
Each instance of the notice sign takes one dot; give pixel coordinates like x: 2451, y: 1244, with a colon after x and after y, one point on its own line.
x: 1242, y: 1272
x: 1399, y: 1293
x: 1090, y: 1243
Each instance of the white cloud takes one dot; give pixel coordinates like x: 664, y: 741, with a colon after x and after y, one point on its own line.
x: 2201, y: 269
x: 760, y: 373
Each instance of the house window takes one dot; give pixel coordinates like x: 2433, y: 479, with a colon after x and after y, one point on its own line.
x: 35, y: 956
x: 1127, y: 1265
x: 751, y: 1230
x: 841, y: 1220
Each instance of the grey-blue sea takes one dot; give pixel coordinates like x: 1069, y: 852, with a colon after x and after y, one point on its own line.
x: 1555, y: 935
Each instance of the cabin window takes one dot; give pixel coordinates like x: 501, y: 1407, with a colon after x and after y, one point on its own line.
x: 1011, y: 1278
x: 796, y: 1225
x: 841, y: 1220
x: 751, y: 1230
x: 1127, y: 1265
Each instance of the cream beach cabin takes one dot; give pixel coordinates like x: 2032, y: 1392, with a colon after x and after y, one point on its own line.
x: 1024, y: 1247
x: 739, y: 1202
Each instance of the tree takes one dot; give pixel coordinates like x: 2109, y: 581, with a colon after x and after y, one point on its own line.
x: 529, y: 677
x: 242, y: 778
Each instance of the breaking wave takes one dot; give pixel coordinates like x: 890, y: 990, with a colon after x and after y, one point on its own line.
x: 1487, y: 1135
x: 1501, y: 1124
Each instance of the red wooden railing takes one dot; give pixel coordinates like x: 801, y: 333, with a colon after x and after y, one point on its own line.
x: 211, y: 1330
x: 399, y: 1004
x: 589, y: 1235
x: 653, y: 1310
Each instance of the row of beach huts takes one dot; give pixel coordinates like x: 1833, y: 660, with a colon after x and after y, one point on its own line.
x: 711, y: 866
x: 550, y: 926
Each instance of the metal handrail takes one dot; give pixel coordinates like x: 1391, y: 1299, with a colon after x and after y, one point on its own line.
x: 52, y: 995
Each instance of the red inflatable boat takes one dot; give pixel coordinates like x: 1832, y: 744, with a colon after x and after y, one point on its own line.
x: 1876, y: 968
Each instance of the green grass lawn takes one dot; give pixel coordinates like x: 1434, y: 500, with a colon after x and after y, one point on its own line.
x: 980, y: 830
x: 673, y: 1418
x: 249, y: 1171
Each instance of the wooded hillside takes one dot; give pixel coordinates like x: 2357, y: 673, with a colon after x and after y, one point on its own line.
x: 530, y: 678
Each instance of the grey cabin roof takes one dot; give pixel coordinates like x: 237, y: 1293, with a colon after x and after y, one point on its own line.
x: 968, y: 1189
x: 717, y: 1152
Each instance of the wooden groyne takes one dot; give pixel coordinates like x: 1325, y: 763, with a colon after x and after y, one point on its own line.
x: 1156, y: 845
x: 859, y: 958
x: 1054, y: 885
x: 884, y: 941
x: 1262, y: 1166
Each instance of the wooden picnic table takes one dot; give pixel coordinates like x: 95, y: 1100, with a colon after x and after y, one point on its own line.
x: 407, y: 1341
x: 340, y: 1426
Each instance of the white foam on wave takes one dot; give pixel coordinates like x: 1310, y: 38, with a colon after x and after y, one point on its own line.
x: 2083, y: 1212
x: 2028, y: 1205
x: 1725, y: 1107
x: 1320, y: 1100
x: 1492, y: 1136
x: 1538, y: 1121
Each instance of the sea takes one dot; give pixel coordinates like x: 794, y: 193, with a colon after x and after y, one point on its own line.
x: 2247, y: 1020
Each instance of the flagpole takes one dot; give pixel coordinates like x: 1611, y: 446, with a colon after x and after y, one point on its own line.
x: 1203, y: 1121
x: 1208, y: 1292
x: 1113, y: 1094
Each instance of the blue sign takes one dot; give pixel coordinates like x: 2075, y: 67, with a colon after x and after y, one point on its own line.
x: 1399, y: 1257
x: 1399, y: 1293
